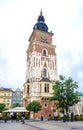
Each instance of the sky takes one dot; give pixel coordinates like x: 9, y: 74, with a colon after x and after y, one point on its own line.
x: 17, y: 18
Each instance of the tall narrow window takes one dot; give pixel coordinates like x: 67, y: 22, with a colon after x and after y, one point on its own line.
x: 34, y: 62
x: 44, y: 52
x: 27, y: 88
x: 44, y: 73
x: 46, y: 89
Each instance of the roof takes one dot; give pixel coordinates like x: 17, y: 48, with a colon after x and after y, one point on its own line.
x: 44, y: 79
x: 5, y: 89
x: 81, y: 94
x: 17, y: 109
x: 41, y: 25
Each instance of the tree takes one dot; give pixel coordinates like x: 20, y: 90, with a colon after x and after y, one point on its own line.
x: 65, y: 94
x: 16, y: 105
x: 34, y: 106
x: 2, y: 107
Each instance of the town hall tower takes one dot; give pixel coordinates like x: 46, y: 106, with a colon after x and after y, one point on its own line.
x: 41, y: 67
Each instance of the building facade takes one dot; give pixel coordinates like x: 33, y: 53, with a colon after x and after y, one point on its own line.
x: 78, y: 108
x: 17, y: 97
x: 41, y: 68
x: 6, y: 96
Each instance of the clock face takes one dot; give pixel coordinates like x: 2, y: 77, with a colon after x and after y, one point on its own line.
x: 43, y: 36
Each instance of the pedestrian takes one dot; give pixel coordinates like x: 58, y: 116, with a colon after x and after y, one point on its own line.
x: 12, y: 117
x: 67, y: 116
x: 56, y: 115
x: 72, y: 116
x: 23, y: 118
x: 17, y: 119
x: 64, y: 117
x: 49, y: 117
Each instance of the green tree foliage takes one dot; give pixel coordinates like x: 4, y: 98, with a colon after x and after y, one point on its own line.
x: 34, y: 106
x: 16, y: 105
x: 65, y: 94
x: 2, y: 107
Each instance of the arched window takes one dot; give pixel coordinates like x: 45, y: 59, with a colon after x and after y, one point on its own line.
x: 44, y: 52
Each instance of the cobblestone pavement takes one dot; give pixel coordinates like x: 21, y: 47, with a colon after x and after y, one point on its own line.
x: 41, y: 125
x: 56, y: 125
x: 16, y: 126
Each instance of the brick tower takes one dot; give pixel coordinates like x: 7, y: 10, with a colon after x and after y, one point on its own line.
x: 41, y: 68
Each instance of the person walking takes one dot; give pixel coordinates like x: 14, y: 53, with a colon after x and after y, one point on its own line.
x: 67, y: 116
x: 72, y: 116
x: 56, y: 115
x: 11, y: 117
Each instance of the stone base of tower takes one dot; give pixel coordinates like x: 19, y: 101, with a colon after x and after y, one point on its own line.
x: 48, y: 108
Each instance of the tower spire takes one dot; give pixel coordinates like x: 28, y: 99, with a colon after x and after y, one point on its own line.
x: 41, y: 25
x: 41, y: 12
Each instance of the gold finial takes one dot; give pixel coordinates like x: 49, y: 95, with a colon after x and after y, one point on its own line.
x: 41, y: 12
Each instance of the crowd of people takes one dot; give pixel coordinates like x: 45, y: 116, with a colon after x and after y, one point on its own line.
x: 65, y: 117
x: 68, y: 117
x: 14, y: 116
